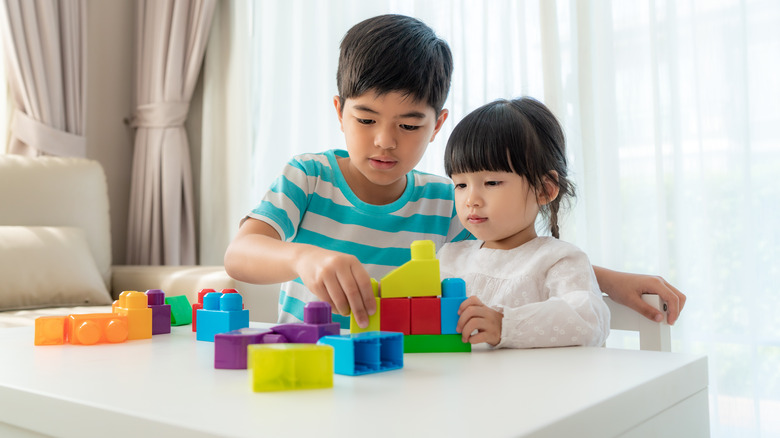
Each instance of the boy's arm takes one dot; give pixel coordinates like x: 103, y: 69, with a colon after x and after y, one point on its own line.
x: 258, y: 255
x: 627, y: 289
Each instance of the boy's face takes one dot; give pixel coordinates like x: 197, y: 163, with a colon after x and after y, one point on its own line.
x: 499, y: 208
x: 386, y: 137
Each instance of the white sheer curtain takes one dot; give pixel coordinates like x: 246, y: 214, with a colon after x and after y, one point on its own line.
x: 670, y: 109
x: 45, y: 59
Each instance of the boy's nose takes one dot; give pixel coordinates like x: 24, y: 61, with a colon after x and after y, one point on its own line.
x: 473, y: 199
x: 385, y: 140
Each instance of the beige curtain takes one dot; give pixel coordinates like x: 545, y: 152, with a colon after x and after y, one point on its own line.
x: 171, y: 39
x: 45, y: 56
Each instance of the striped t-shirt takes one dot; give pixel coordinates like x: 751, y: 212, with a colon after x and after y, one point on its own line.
x: 312, y: 203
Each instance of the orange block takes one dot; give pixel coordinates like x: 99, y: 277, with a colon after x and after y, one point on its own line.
x: 135, y: 306
x: 97, y: 328
x: 50, y: 330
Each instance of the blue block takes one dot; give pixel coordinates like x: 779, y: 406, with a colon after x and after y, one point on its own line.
x: 366, y: 353
x: 453, y: 293
x: 221, y: 313
x: 449, y: 314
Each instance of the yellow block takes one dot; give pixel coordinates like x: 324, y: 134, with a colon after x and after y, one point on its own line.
x: 419, y: 277
x: 135, y: 306
x: 281, y: 367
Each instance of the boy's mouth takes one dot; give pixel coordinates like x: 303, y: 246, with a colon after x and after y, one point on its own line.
x: 382, y: 163
x: 474, y: 219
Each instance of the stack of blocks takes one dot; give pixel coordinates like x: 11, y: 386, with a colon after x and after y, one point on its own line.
x: 135, y: 315
x: 221, y: 313
x: 412, y: 300
x: 230, y: 348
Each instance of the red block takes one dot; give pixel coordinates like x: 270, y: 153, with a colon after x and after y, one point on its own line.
x: 199, y: 305
x: 426, y: 316
x: 396, y: 315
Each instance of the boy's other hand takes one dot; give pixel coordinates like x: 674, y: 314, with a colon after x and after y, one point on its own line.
x: 476, y: 316
x: 339, y: 280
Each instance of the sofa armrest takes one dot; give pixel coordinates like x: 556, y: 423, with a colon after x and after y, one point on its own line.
x: 261, y: 300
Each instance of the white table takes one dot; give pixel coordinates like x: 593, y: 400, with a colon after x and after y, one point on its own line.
x: 167, y: 386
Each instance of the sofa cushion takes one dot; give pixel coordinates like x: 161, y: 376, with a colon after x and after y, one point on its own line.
x: 48, y: 267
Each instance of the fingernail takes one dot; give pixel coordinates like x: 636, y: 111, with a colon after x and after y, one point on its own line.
x: 659, y: 318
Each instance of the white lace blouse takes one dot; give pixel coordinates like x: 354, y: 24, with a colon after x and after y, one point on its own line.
x: 545, y: 288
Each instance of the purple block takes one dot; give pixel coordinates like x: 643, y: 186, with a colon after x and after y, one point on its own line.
x: 274, y: 338
x: 303, y: 333
x: 317, y: 312
x: 161, y: 312
x: 230, y: 348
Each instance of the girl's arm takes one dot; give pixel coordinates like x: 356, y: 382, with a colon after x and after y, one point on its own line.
x: 627, y: 289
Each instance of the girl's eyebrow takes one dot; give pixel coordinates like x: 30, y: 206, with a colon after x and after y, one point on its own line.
x: 411, y: 114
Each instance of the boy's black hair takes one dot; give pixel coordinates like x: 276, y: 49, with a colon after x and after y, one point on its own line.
x: 521, y: 136
x: 395, y: 53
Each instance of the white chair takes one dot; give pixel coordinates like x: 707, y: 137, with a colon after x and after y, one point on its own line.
x: 653, y: 335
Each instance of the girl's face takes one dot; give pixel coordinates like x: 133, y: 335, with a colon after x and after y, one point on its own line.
x: 499, y: 208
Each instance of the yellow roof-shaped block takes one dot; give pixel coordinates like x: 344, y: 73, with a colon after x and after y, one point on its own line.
x: 419, y: 277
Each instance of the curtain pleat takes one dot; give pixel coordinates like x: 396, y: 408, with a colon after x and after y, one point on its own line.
x: 45, y: 49
x: 172, y: 37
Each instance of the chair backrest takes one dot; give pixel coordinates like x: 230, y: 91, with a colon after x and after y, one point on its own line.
x: 652, y: 335
x: 55, y: 191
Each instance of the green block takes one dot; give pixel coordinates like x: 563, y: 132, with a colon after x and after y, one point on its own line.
x: 435, y: 344
x: 181, y: 310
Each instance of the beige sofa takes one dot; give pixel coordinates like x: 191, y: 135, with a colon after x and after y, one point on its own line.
x: 55, y: 247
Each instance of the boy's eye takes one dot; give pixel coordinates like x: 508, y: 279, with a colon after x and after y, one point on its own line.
x: 409, y: 127
x: 365, y: 121
x: 493, y: 183
x: 460, y: 186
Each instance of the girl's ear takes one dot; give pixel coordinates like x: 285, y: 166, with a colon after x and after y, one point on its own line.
x: 550, y: 188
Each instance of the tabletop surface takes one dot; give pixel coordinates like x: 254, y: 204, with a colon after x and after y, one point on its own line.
x: 168, y: 384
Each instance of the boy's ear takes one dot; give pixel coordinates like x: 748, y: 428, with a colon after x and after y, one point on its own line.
x: 339, y: 110
x: 439, y: 122
x: 550, y: 188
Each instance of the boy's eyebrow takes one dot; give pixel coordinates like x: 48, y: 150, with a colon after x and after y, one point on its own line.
x: 411, y: 114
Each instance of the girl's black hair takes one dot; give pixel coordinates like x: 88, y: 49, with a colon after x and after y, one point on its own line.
x: 520, y: 136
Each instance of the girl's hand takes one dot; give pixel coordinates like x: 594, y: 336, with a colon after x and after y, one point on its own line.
x: 339, y: 280
x: 475, y: 316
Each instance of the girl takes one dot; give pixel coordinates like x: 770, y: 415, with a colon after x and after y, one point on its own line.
x: 508, y: 162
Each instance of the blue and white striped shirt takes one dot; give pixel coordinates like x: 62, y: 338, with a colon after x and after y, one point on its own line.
x: 312, y: 203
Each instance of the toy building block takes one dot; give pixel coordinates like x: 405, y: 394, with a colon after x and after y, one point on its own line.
x: 419, y: 277
x: 280, y: 367
x: 50, y: 330
x: 161, y: 312
x: 453, y: 293
x: 396, y: 315
x: 425, y: 316
x: 199, y: 305
x: 317, y: 322
x: 230, y: 348
x: 181, y: 310
x: 135, y: 306
x: 221, y: 313
x: 435, y: 344
x: 365, y: 353
x: 98, y: 328
x: 373, y: 320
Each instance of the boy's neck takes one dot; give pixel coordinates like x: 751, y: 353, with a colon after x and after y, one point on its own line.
x: 367, y: 191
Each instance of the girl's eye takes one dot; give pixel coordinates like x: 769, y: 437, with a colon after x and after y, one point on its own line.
x: 409, y: 127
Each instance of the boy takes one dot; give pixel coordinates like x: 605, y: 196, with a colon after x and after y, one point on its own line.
x: 367, y: 205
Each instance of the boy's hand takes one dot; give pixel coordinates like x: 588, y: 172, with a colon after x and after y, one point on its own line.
x: 339, y: 280
x: 474, y: 315
x: 627, y: 289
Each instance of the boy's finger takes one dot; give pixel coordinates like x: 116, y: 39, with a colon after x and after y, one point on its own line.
x: 334, y: 291
x: 355, y: 297
x: 365, y: 285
